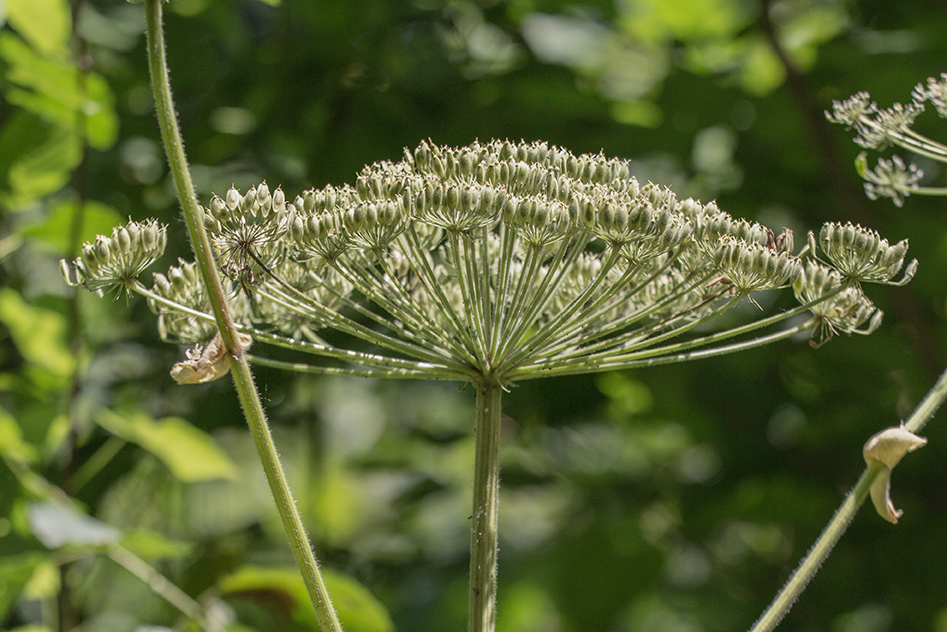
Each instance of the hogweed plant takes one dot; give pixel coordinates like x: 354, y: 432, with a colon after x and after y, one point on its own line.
x: 489, y: 265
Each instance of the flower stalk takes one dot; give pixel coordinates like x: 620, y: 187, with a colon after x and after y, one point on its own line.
x: 242, y: 376
x: 484, y: 531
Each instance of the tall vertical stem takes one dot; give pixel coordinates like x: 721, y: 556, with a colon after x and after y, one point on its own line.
x: 486, y: 503
x: 243, y: 378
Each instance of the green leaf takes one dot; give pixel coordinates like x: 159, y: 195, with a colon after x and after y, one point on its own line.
x: 12, y: 445
x: 861, y: 165
x: 97, y: 219
x: 14, y: 573
x: 190, y: 453
x: 43, y: 23
x: 151, y: 546
x: 57, y: 525
x: 44, y: 169
x: 359, y: 610
x: 39, y: 334
x: 762, y: 71
x: 53, y: 91
x: 45, y: 581
x: 18, y: 135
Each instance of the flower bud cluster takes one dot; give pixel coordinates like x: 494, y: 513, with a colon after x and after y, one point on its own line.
x: 712, y: 224
x: 860, y: 254
x: 890, y: 178
x: 935, y: 91
x: 491, y: 257
x: 877, y: 128
x: 837, y: 307
x: 246, y: 231
x: 182, y: 286
x: 751, y: 267
x: 119, y: 259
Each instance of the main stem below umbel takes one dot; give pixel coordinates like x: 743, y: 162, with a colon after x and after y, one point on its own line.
x: 486, y: 503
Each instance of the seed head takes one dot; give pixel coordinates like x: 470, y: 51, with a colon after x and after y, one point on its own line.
x: 116, y: 261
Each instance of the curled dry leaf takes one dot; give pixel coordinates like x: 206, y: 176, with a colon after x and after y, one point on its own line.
x: 207, y: 363
x: 886, y: 449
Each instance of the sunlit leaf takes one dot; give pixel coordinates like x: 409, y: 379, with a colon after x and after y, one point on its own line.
x: 54, y: 79
x: 149, y: 545
x: 338, y: 503
x: 43, y: 23
x: 358, y: 609
x: 56, y: 92
x: 57, y: 525
x: 190, y: 453
x: 640, y: 113
x: 44, y: 168
x: 12, y: 445
x: 38, y: 333
x: 15, y: 571
x: 658, y: 20
x: 45, y: 582
x: 97, y: 219
x: 762, y: 72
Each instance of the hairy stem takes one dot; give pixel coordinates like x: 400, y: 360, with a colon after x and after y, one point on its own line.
x: 833, y: 531
x: 240, y: 369
x: 486, y: 503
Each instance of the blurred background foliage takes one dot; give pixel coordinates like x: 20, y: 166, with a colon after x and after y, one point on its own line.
x: 676, y: 499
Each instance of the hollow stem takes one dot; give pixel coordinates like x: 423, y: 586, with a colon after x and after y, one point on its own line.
x: 243, y: 378
x: 839, y: 523
x: 486, y: 503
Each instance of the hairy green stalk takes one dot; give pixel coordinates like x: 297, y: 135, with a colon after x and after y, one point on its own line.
x: 486, y: 510
x: 243, y: 378
x: 810, y: 564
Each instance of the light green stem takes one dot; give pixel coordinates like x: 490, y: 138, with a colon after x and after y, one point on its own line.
x: 486, y: 505
x: 243, y: 378
x: 840, y: 521
x: 162, y: 586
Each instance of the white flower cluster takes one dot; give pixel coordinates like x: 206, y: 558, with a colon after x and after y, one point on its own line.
x: 514, y: 260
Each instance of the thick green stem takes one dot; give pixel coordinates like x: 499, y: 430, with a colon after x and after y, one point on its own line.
x: 486, y: 504
x: 840, y: 521
x: 243, y: 378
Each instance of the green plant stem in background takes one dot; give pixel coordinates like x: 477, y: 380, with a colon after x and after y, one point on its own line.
x: 842, y: 518
x: 243, y: 378
x: 160, y: 585
x: 486, y: 505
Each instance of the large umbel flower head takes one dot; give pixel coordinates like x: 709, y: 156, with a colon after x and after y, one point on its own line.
x: 505, y: 261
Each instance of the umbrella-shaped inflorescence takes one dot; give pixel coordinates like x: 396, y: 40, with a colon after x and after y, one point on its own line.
x: 500, y: 260
x: 490, y: 264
